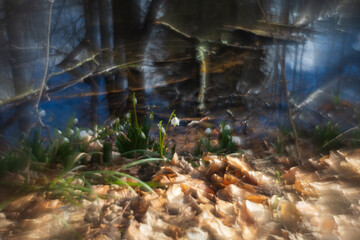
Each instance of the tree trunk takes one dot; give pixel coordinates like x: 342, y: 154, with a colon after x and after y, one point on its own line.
x: 92, y: 23
x: 131, y: 34
x: 27, y: 30
x: 115, y: 81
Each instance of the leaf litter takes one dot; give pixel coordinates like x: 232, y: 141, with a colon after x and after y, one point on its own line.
x: 227, y: 197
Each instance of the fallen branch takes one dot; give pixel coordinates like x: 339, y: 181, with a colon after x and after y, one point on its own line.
x: 195, y: 39
x: 265, y: 34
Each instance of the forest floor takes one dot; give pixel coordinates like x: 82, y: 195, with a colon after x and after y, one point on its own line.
x: 235, y: 196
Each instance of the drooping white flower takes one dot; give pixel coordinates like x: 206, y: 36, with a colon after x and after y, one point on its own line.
x: 226, y: 127
x: 208, y: 131
x: 66, y: 139
x: 42, y: 113
x: 83, y: 134
x: 142, y: 135
x: 163, y: 130
x: 58, y: 131
x: 237, y: 140
x: 175, y: 121
x: 90, y: 132
x: 71, y: 132
x: 135, y: 100
x: 75, y: 121
x: 127, y: 116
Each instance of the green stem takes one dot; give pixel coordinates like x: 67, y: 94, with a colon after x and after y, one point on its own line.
x: 161, y: 142
x: 135, y: 115
x: 171, y: 116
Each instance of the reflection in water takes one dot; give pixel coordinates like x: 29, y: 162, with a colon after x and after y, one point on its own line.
x: 318, y: 42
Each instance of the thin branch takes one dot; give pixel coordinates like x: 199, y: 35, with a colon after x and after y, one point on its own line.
x: 340, y: 135
x: 38, y: 48
x: 195, y: 39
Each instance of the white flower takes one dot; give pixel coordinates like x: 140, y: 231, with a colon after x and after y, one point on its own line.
x: 237, y: 140
x: 90, y: 132
x: 142, y: 135
x: 71, y: 132
x: 175, y: 121
x: 135, y: 100
x: 66, y: 139
x: 163, y: 130
x: 208, y: 131
x: 83, y: 134
x: 58, y: 131
x: 227, y: 127
x: 42, y: 113
x: 127, y: 115
x: 75, y: 121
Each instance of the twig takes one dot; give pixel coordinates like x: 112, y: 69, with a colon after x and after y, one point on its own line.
x: 284, y: 81
x: 340, y: 135
x: 178, y: 32
x: 38, y: 48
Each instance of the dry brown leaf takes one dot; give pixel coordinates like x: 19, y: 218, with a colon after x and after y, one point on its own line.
x: 195, y: 233
x: 215, y: 165
x: 289, y: 215
x: 238, y: 163
x: 218, y: 181
x: 231, y: 193
x: 197, y: 185
x: 175, y: 194
x: 258, y: 212
x: 289, y: 176
x: 257, y: 198
x: 20, y: 204
x: 230, y: 179
x: 224, y: 208
x: 215, y: 227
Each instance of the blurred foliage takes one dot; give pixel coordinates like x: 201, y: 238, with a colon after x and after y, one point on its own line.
x: 225, y: 143
x: 325, y: 137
